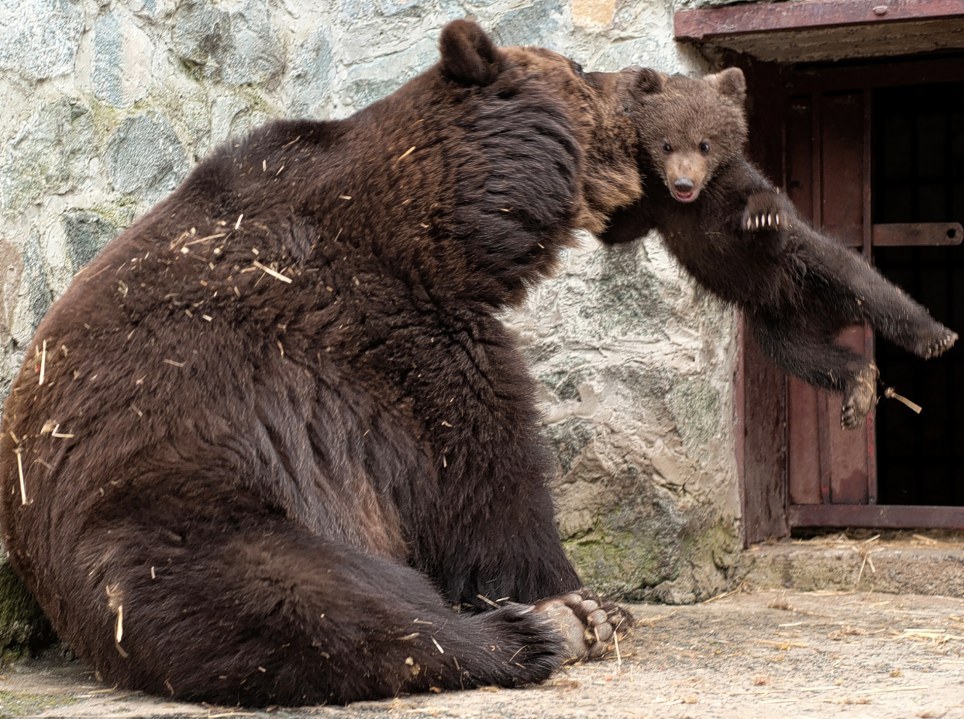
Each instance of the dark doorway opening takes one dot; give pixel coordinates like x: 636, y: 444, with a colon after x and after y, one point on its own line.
x: 918, y: 176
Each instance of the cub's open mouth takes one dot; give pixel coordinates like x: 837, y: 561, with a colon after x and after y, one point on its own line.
x: 687, y: 196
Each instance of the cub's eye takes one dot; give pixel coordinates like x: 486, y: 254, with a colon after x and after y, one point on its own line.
x: 667, y: 147
x: 705, y: 147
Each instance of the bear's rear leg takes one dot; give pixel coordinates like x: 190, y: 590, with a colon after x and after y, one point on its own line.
x: 278, y: 616
x: 818, y: 361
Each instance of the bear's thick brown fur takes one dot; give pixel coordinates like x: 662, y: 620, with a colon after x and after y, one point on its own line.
x: 739, y: 237
x: 275, y: 430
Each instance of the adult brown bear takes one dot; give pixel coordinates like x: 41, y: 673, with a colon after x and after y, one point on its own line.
x: 275, y: 429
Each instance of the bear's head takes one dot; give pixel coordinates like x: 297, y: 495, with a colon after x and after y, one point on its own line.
x: 543, y: 148
x: 691, y: 127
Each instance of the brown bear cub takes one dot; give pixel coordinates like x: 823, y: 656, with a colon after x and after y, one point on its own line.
x: 276, y: 430
x: 740, y: 238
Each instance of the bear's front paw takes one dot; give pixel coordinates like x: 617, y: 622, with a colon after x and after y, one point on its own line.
x: 590, y: 627
x: 764, y: 211
x: 860, y: 396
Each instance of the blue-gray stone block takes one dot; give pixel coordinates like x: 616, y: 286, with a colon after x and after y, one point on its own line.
x: 39, y: 38
x: 145, y: 157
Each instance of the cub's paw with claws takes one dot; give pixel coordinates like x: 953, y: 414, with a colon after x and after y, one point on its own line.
x: 860, y: 396
x: 765, y: 211
x: 936, y: 343
x: 590, y: 626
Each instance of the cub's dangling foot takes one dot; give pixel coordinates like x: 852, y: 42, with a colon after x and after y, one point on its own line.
x: 860, y: 396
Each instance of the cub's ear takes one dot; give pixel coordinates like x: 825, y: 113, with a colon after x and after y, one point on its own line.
x: 469, y: 57
x: 731, y: 83
x: 649, y: 81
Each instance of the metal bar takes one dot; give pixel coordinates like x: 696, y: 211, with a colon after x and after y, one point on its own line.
x: 734, y: 20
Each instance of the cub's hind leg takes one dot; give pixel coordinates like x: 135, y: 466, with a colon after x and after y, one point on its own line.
x: 854, y: 284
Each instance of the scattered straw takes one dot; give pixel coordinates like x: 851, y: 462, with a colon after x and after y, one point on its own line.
x: 43, y: 362
x: 119, y: 625
x: 619, y: 657
x: 488, y: 601
x: 173, y: 363
x: 405, y: 154
x: 274, y: 273
x: 438, y: 646
x: 237, y: 225
x: 23, y: 485
x: 890, y: 393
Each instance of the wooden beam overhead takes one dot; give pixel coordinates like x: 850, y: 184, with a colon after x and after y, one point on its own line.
x: 733, y: 20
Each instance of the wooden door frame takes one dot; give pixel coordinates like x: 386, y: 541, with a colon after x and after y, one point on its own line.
x: 762, y: 446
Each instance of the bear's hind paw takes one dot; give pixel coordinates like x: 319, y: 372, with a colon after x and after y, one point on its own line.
x: 590, y: 626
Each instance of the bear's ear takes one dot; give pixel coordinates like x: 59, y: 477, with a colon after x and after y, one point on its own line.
x: 469, y: 57
x: 649, y: 81
x: 730, y: 82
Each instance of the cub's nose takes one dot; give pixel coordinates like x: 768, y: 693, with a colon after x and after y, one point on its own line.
x: 684, y: 184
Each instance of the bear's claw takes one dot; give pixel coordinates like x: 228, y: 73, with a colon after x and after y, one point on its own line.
x: 936, y: 347
x: 763, y: 211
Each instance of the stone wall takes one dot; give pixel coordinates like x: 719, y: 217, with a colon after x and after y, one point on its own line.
x: 108, y: 103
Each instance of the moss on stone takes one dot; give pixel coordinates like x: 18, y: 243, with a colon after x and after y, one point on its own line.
x: 23, y: 627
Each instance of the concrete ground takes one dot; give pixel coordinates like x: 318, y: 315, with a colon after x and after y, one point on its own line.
x: 773, y: 653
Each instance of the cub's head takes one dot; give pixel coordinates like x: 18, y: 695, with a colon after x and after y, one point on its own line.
x: 690, y: 127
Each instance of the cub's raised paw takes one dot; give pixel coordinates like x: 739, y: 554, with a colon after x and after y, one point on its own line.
x: 590, y: 626
x: 860, y: 396
x: 764, y: 211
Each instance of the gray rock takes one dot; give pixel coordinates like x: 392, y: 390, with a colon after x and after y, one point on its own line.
x: 538, y: 23
x: 86, y: 234
x: 122, y: 60
x: 373, y: 80
x: 237, y: 47
x: 39, y: 39
x: 144, y: 156
x: 51, y: 155
x: 308, y: 83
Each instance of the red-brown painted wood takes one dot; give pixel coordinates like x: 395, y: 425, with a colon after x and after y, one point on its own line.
x: 707, y: 23
x: 883, y: 516
x: 917, y: 234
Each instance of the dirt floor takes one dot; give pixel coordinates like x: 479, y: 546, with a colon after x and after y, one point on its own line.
x: 762, y: 654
